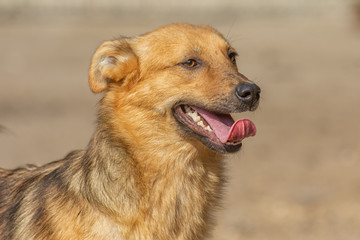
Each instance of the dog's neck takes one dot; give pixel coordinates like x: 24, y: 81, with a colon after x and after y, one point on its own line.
x: 169, y: 187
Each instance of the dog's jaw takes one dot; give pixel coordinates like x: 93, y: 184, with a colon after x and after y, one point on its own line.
x: 197, y: 125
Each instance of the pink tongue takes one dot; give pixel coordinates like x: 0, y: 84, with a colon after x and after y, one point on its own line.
x: 225, y: 128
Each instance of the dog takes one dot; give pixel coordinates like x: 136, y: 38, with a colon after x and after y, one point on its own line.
x: 153, y: 168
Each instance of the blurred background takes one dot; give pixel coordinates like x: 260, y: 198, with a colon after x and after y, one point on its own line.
x: 299, y: 178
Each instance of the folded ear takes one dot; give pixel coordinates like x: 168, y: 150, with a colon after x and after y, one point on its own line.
x: 112, y: 62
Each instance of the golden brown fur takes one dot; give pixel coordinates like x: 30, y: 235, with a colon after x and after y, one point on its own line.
x: 142, y: 175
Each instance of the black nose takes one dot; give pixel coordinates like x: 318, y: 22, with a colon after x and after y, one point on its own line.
x: 248, y: 93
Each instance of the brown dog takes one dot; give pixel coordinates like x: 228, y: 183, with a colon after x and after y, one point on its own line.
x: 152, y: 169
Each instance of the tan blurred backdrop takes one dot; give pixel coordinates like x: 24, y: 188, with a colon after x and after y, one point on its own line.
x: 299, y: 178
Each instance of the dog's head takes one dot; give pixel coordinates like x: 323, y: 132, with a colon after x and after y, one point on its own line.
x: 186, y: 76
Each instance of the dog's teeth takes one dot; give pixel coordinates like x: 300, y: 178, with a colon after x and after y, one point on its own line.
x: 208, y: 128
x: 193, y: 114
x: 188, y: 109
x: 233, y: 143
x: 196, y: 118
x: 201, y: 124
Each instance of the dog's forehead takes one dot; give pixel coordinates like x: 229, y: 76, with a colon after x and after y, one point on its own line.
x: 183, y: 40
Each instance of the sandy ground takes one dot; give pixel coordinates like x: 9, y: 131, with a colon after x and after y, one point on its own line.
x: 299, y: 178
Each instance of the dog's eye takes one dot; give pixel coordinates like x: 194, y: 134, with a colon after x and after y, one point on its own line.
x: 232, y: 57
x: 191, y: 63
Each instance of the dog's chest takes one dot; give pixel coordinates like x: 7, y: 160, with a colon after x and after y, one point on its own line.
x: 183, y: 202
x: 104, y: 229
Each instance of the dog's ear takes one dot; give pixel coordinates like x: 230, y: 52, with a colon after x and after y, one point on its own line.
x: 113, y: 61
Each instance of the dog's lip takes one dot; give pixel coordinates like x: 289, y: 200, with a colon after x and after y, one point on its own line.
x: 227, y: 134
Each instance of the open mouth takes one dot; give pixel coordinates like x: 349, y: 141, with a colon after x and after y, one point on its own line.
x: 216, y: 130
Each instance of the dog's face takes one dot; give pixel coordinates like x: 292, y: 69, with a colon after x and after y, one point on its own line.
x: 187, y: 76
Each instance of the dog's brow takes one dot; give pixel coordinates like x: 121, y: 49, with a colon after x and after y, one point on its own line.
x: 197, y: 49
